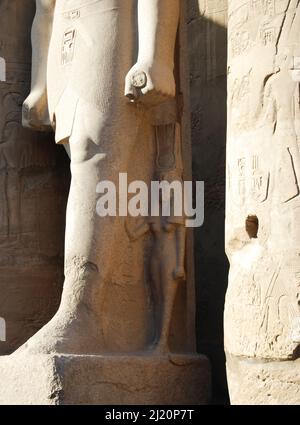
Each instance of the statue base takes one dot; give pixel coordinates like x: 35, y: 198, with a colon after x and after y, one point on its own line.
x: 174, y: 379
x: 258, y: 382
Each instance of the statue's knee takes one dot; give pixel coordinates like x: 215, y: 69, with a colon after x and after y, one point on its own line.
x: 81, y: 270
x: 80, y: 152
x: 84, y: 150
x: 88, y: 269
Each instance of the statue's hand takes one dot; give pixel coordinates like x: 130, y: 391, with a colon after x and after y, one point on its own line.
x: 35, y: 112
x: 179, y: 273
x: 150, y: 84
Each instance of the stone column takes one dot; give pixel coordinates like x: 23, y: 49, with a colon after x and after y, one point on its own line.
x: 33, y: 190
x: 262, y: 315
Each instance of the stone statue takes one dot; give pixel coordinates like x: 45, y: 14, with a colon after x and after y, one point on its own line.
x: 168, y: 253
x: 82, y: 63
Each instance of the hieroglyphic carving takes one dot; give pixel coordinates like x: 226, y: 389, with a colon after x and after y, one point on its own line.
x: 240, y: 89
x: 267, y: 35
x: 241, y: 181
x: 239, y: 42
x: 68, y: 46
x: 260, y: 181
x: 252, y: 180
x: 255, y: 20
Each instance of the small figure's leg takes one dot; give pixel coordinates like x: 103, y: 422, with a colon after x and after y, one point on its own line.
x: 169, y: 287
x: 179, y: 273
x: 169, y: 293
x: 156, y: 292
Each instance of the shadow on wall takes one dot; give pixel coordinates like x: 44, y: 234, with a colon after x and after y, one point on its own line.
x: 207, y: 40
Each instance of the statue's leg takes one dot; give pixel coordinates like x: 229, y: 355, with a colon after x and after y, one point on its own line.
x: 157, y: 295
x: 100, y: 149
x: 169, y: 294
x: 179, y: 272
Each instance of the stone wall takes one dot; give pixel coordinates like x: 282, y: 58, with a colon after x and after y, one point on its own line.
x: 262, y: 314
x: 207, y: 30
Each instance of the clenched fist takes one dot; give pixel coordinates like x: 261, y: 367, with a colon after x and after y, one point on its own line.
x: 150, y: 83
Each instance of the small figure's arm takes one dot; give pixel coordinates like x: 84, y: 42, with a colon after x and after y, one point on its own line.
x: 35, y: 107
x: 152, y: 77
x: 179, y: 273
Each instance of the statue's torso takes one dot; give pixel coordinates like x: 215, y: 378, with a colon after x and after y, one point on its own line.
x: 90, y: 53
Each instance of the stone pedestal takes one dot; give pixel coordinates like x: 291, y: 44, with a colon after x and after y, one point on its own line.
x: 120, y: 379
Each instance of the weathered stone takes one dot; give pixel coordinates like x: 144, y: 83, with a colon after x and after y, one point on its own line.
x: 34, y: 180
x: 263, y: 170
x: 128, y: 280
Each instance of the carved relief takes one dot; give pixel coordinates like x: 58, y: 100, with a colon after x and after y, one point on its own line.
x: 262, y: 310
x: 267, y: 35
x: 252, y: 180
x: 240, y: 42
x: 68, y: 46
x: 32, y: 194
x: 167, y: 262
